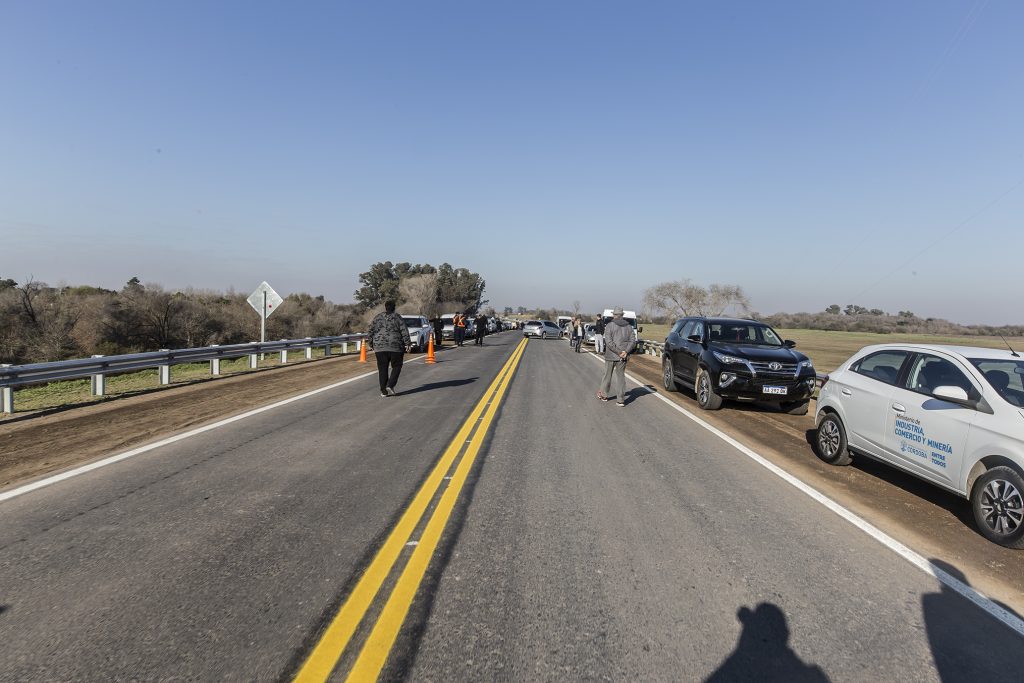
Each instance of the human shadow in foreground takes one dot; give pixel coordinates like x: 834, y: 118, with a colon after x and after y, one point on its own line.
x: 763, y: 652
x: 438, y: 385
x: 967, y: 643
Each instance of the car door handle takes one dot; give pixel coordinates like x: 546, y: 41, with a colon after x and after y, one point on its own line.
x: 847, y: 392
x: 899, y: 407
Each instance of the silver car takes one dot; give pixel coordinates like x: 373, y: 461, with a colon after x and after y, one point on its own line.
x: 543, y: 329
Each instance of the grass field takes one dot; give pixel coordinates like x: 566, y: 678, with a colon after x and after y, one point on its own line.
x: 829, y: 349
x: 56, y: 394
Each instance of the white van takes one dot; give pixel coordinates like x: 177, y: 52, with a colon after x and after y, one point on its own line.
x: 628, y: 316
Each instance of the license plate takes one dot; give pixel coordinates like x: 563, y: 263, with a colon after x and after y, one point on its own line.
x: 774, y: 390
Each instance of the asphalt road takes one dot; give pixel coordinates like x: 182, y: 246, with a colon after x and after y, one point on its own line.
x: 590, y: 542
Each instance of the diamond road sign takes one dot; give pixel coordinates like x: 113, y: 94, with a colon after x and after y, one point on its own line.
x: 273, y: 299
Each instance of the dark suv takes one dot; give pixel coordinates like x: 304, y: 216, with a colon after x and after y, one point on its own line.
x: 736, y: 359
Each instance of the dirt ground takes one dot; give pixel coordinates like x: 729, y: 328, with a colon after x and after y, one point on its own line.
x: 37, y: 444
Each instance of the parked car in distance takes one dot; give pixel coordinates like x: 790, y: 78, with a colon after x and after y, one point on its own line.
x: 950, y: 415
x: 741, y: 360
x: 420, y: 330
x: 588, y: 333
x: 543, y: 329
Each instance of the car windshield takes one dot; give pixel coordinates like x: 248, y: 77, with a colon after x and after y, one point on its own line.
x: 412, y: 322
x: 742, y: 333
x: 1006, y: 377
x: 532, y: 322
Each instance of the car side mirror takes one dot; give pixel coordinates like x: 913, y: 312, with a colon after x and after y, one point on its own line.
x: 953, y: 395
x: 789, y: 344
x: 695, y: 338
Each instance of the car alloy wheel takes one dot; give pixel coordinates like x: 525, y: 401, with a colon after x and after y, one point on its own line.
x: 1002, y: 507
x: 707, y: 399
x: 830, y: 441
x: 668, y: 375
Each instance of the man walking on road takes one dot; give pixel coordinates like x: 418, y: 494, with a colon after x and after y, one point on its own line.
x: 480, y: 324
x: 388, y: 337
x: 438, y: 331
x: 599, y: 335
x: 619, y: 342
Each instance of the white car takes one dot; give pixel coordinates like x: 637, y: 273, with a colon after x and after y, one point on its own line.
x: 420, y: 330
x: 951, y: 415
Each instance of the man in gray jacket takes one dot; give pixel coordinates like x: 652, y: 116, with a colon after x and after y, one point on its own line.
x: 388, y: 338
x: 619, y: 341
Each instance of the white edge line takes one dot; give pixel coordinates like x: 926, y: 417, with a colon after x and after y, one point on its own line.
x: 914, y: 558
x: 27, y: 488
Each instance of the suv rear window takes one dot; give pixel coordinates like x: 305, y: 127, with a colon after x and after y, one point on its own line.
x: 882, y: 365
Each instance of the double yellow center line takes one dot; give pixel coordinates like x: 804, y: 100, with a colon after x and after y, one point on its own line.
x: 378, y: 644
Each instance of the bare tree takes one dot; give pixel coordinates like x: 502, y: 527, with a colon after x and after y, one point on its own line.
x: 576, y: 309
x: 418, y: 294
x: 683, y: 297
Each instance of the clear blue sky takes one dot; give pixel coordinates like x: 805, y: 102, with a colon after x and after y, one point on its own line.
x: 812, y: 152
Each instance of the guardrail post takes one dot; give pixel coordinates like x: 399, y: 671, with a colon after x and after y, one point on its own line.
x: 344, y: 348
x: 215, y: 364
x: 284, y: 355
x: 6, y: 396
x: 98, y: 382
x: 253, y: 361
x: 309, y: 349
x: 359, y: 345
x: 165, y: 372
x: 327, y: 349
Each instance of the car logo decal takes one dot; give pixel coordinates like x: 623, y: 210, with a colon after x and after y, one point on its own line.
x: 775, y: 366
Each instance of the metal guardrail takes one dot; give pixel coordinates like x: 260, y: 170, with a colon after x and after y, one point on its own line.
x: 98, y: 367
x: 649, y: 347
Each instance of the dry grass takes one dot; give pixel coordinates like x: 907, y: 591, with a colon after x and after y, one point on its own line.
x: 829, y: 349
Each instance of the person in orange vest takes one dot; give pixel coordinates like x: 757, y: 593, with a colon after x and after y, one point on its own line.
x: 460, y: 328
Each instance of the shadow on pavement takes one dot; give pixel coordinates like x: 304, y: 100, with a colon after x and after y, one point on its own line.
x: 639, y: 392
x: 967, y: 643
x: 438, y: 385
x: 763, y: 652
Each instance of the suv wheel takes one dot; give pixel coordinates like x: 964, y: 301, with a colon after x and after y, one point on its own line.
x: 707, y: 399
x: 795, y: 407
x: 998, y: 503
x: 830, y: 441
x: 668, y: 378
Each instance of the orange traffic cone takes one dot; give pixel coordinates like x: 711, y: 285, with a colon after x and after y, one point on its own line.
x: 430, y: 351
x: 362, y: 351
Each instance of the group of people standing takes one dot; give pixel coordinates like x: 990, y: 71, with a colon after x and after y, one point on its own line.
x: 614, y: 340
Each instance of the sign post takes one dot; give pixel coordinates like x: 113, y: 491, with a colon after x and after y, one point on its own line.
x: 264, y: 301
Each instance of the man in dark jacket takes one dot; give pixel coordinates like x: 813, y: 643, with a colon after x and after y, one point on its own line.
x: 599, y: 335
x: 619, y: 341
x: 438, y: 331
x: 480, y: 324
x: 388, y: 338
